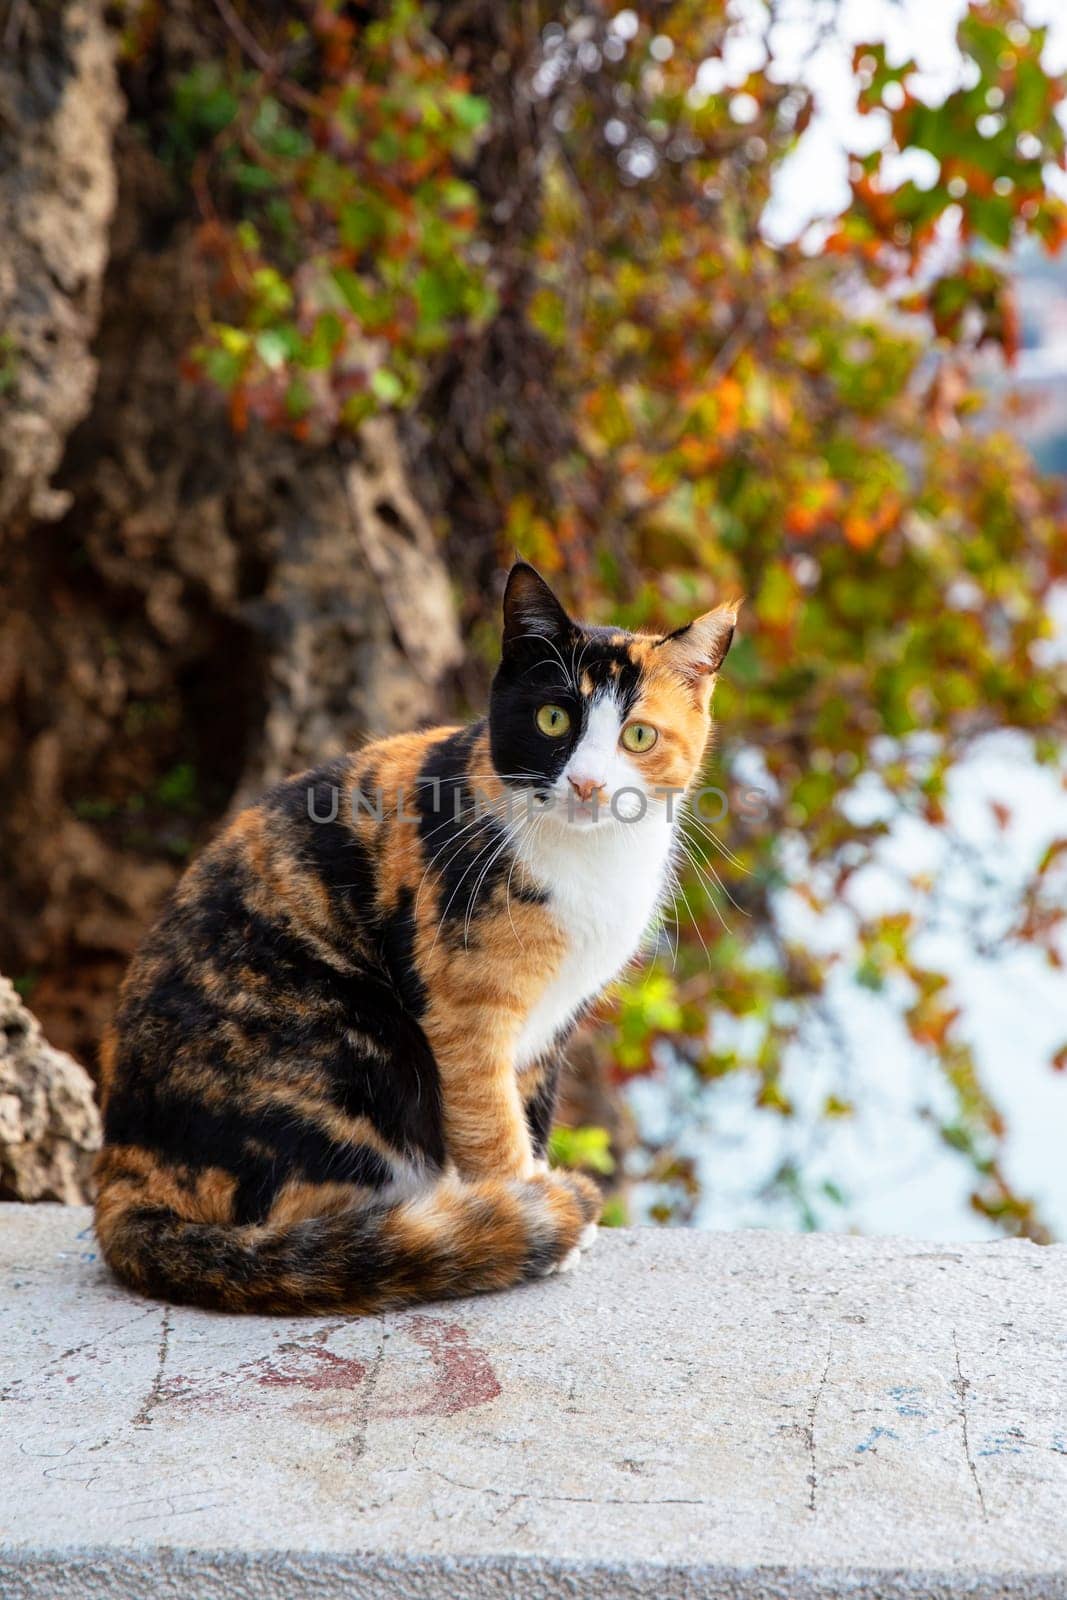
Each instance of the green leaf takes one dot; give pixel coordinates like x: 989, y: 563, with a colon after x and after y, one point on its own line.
x: 361, y: 223
x: 178, y: 787
x: 387, y: 386
x: 254, y: 179
x: 273, y: 347
x: 298, y: 399
x: 221, y: 366
x: 204, y: 103
x: 586, y: 1147
x: 438, y: 293
x: 471, y: 111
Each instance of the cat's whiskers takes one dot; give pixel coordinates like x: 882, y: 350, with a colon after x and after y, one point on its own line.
x: 507, y: 897
x: 671, y: 920
x: 575, y: 671
x: 702, y: 827
x: 532, y: 827
x: 459, y: 884
x: 410, y: 846
x: 481, y: 819
x: 486, y: 817
x: 567, y: 683
x: 581, y: 661
x: 505, y: 841
x: 669, y: 915
x: 705, y: 882
x: 662, y: 920
x: 694, y: 844
x: 563, y: 683
x: 544, y: 638
x: 466, y: 844
x: 681, y: 894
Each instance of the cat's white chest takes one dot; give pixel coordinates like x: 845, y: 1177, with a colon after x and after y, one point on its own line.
x: 603, y: 892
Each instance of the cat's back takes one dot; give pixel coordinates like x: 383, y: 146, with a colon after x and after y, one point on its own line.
x: 289, y: 899
x: 248, y: 1017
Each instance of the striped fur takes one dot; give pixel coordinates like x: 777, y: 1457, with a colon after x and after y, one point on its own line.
x: 333, y: 1068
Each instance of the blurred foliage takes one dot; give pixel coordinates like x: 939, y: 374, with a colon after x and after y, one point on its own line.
x: 800, y: 425
x: 9, y: 364
x: 585, y: 1148
x: 341, y: 231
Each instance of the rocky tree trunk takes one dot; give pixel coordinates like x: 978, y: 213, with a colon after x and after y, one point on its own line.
x: 187, y: 615
x: 49, y: 1124
x: 59, y: 108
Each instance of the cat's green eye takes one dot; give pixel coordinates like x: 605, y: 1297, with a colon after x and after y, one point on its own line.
x: 554, y: 721
x: 639, y: 737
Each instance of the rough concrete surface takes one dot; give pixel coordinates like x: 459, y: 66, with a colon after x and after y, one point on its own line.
x: 755, y: 1415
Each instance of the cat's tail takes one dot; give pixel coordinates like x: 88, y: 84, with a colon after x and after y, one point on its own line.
x: 455, y: 1238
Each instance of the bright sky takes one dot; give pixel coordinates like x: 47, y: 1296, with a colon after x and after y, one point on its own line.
x: 813, y: 182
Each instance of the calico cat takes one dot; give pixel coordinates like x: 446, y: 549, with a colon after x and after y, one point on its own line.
x: 332, y: 1072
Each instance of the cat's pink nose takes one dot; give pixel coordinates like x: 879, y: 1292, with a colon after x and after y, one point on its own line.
x: 585, y: 788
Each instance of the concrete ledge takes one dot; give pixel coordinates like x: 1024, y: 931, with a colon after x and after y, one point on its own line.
x: 752, y: 1415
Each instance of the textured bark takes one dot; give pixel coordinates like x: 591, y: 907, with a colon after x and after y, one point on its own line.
x: 209, y: 613
x: 49, y: 1124
x: 494, y: 426
x: 59, y: 106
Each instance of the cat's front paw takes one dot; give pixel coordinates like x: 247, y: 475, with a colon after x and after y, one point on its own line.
x: 566, y: 1264
x: 585, y: 1192
x: 568, y: 1204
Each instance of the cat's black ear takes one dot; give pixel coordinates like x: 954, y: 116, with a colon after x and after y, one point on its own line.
x: 530, y: 607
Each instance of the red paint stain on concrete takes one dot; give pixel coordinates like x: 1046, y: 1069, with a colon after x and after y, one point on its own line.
x: 304, y: 1364
x: 463, y: 1375
x: 311, y: 1368
x: 195, y: 1394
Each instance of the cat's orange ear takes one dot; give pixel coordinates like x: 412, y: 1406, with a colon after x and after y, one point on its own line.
x: 530, y: 607
x: 699, y: 649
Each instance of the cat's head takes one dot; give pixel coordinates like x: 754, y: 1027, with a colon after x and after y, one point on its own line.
x: 579, y: 714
